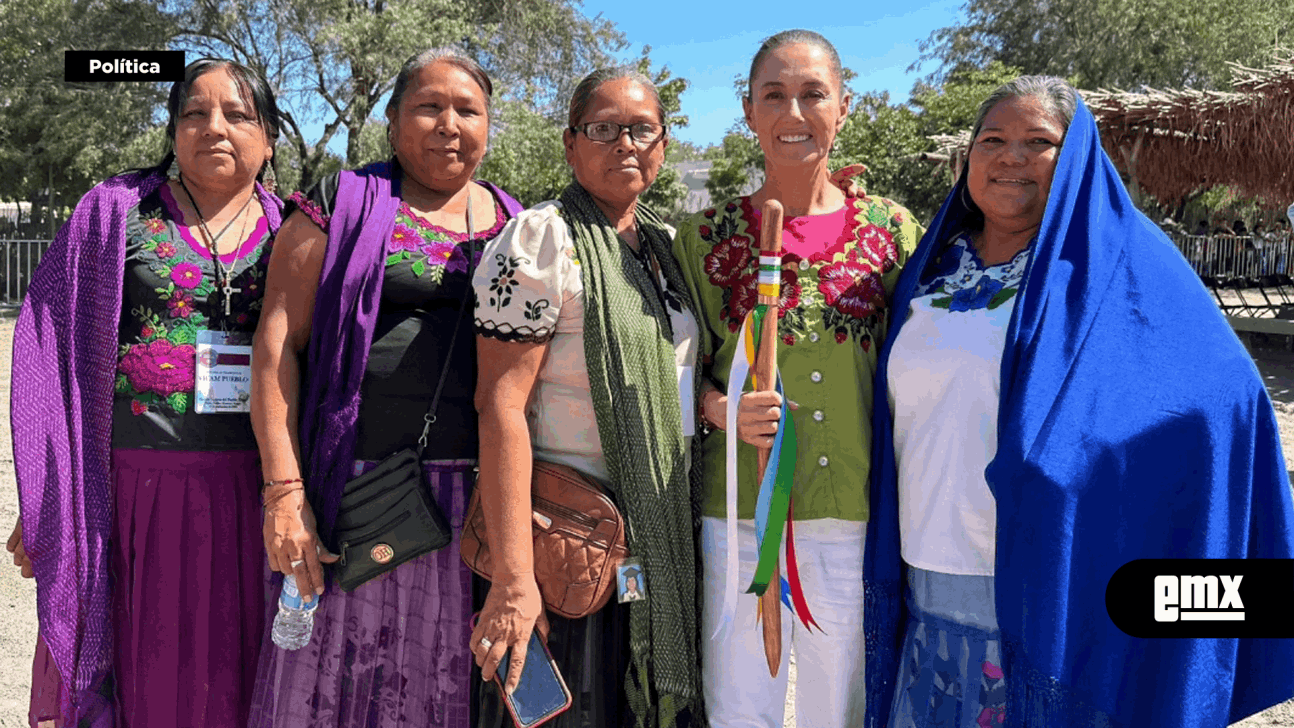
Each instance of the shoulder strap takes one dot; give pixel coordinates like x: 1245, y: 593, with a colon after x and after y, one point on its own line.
x: 430, y: 418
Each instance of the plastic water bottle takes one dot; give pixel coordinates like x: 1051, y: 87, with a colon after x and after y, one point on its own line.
x: 296, y: 618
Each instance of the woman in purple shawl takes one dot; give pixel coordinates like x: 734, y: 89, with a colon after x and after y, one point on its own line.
x: 365, y: 286
x: 137, y: 481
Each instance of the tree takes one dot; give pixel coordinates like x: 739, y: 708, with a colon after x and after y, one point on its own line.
x: 736, y: 160
x: 668, y: 193
x: 335, y: 59
x: 525, y: 156
x: 889, y: 138
x: 1122, y: 44
x: 58, y: 139
x: 527, y: 159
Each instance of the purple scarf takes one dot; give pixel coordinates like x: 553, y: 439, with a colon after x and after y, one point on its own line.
x: 64, y: 363
x: 345, y: 314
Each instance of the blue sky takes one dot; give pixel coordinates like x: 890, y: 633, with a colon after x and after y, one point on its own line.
x: 710, y: 44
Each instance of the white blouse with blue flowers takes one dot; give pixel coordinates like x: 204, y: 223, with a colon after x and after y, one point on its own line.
x: 944, y: 385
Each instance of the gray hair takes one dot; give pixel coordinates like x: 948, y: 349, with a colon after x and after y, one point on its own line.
x: 419, y: 61
x: 589, y: 85
x: 789, y: 37
x: 1056, y: 96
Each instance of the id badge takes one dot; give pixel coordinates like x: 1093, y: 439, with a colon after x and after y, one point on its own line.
x: 630, y: 584
x: 223, y: 377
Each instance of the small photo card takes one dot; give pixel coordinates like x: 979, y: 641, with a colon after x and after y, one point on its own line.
x: 630, y: 583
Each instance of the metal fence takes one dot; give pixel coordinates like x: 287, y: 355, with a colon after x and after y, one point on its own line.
x: 1229, y: 256
x: 19, y: 259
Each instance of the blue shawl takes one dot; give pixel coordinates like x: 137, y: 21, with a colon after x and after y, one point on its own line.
x: 1132, y: 424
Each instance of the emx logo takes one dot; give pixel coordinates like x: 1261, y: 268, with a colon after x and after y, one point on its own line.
x: 1203, y: 598
x: 1195, y: 597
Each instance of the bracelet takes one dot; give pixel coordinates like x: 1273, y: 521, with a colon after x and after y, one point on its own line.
x: 706, y: 426
x: 280, y: 496
x: 285, y: 481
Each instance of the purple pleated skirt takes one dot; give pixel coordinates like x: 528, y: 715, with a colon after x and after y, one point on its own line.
x: 391, y: 653
x: 187, y: 559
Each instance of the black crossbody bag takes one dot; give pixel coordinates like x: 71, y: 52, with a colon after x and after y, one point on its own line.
x: 387, y: 516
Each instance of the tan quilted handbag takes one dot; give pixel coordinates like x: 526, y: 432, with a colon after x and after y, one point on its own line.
x: 579, y: 540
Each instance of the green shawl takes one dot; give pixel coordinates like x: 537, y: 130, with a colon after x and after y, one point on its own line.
x: 628, y: 343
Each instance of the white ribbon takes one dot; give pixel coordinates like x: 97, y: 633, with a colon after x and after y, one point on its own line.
x: 736, y: 382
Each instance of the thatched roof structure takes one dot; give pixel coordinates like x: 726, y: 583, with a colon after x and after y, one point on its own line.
x: 1174, y: 142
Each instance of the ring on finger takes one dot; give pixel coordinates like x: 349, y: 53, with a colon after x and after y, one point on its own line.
x: 486, y: 643
x: 297, y: 563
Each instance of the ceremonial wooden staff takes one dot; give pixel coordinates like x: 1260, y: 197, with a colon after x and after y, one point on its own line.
x: 770, y: 245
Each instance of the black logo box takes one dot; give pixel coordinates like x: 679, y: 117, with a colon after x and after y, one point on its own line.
x: 1266, y: 591
x: 104, y: 66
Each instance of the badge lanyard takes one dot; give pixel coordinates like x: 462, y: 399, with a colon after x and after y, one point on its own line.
x: 222, y: 381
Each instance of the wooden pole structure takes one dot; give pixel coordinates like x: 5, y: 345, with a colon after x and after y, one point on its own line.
x: 770, y: 243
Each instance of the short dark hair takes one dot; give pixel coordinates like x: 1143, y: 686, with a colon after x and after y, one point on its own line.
x: 252, y: 87
x: 419, y: 61
x: 788, y: 37
x: 589, y: 85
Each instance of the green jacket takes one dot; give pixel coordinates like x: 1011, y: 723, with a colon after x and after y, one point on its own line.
x: 835, y: 314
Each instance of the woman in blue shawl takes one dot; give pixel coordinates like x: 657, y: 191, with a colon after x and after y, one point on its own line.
x: 1063, y: 398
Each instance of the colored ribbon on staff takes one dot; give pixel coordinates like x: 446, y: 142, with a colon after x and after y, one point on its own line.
x: 773, y: 504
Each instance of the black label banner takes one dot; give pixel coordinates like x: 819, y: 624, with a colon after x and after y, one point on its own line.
x: 91, y: 66
x: 1203, y: 598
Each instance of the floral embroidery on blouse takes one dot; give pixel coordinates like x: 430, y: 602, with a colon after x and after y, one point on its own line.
x: 430, y: 249
x: 311, y: 208
x: 959, y: 281
x: 159, y: 369
x: 848, y: 297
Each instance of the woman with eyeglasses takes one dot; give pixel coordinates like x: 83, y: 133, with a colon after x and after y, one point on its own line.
x: 587, y: 341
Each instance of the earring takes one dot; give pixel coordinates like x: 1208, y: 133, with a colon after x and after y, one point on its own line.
x: 966, y: 201
x: 173, y: 172
x: 270, y: 181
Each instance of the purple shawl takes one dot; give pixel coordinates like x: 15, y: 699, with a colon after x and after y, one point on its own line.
x: 64, y: 363
x: 345, y: 314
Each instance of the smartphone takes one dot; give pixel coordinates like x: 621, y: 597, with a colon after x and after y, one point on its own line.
x: 542, y: 693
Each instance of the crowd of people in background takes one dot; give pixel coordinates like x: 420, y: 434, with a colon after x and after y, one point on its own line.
x: 987, y: 414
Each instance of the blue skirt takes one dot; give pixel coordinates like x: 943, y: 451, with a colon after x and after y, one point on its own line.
x: 950, y: 670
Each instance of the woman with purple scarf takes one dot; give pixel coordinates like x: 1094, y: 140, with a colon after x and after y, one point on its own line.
x: 365, y: 286
x: 138, y: 477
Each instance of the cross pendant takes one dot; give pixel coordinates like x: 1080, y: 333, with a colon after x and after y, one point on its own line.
x: 229, y: 291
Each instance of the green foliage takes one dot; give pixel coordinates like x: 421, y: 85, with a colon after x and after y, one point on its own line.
x: 1124, y: 44
x: 73, y: 135
x: 952, y: 107
x: 888, y: 139
x: 668, y: 193
x: 736, y: 161
x: 335, y: 59
x: 526, y: 157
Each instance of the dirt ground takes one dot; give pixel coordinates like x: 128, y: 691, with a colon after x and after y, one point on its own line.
x: 18, y: 596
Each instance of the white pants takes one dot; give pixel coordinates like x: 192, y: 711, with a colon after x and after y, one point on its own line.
x: 829, y: 688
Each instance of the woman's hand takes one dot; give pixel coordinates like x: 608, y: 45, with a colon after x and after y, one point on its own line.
x: 842, y: 178
x: 19, y: 553
x: 291, y: 541
x: 513, y: 608
x: 758, y: 414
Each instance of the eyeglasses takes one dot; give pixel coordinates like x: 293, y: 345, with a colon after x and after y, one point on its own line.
x: 609, y: 131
